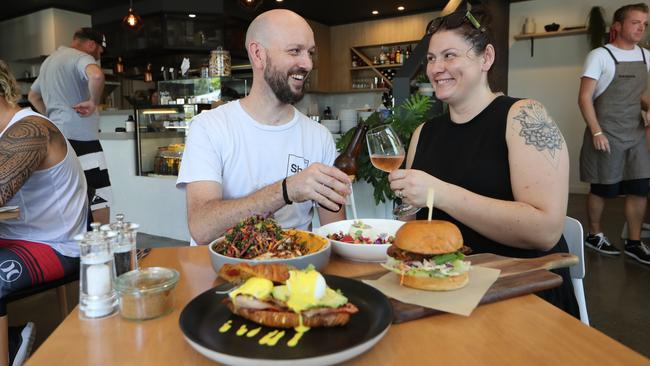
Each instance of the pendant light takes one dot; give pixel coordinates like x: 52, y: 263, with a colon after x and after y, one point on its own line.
x: 132, y: 20
x: 250, y: 5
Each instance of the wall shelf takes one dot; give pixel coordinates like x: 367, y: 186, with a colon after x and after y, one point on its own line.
x: 568, y: 31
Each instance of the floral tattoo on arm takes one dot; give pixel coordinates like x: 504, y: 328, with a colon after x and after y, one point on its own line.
x: 539, y: 130
x: 23, y: 147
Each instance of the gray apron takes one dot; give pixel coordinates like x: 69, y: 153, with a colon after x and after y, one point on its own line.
x: 618, y: 110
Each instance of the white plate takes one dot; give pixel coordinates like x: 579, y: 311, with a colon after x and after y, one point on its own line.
x: 361, y: 252
x: 8, y: 208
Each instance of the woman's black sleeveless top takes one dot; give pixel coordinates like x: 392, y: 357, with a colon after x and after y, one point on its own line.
x: 474, y: 155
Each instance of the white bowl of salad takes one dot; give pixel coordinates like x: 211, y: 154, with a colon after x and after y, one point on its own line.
x: 364, y: 240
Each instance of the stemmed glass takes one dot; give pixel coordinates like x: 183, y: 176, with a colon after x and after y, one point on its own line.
x: 387, y: 153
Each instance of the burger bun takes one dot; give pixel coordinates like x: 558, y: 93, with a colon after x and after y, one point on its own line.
x: 429, y: 237
x: 436, y: 283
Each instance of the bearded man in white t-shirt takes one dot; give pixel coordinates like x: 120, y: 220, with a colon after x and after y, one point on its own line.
x: 260, y: 155
x: 615, y: 158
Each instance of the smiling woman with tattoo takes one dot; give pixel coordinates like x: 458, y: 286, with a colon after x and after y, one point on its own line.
x: 40, y: 173
x: 499, y: 166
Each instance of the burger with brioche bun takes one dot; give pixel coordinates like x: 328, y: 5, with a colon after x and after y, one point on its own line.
x: 429, y: 255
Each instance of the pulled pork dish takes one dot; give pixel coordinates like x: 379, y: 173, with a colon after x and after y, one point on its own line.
x: 259, y: 237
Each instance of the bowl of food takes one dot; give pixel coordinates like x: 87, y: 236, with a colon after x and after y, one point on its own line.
x: 258, y: 239
x: 363, y: 240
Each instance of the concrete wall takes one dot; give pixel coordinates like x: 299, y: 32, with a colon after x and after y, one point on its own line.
x: 552, y: 76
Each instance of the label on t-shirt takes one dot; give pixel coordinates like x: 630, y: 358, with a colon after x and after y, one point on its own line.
x: 296, y: 164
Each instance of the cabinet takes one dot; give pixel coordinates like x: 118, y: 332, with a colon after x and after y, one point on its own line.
x: 369, y: 71
x: 160, y: 137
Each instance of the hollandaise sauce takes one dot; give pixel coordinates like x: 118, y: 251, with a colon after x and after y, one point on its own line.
x: 266, y: 337
x: 300, y: 330
x: 225, y: 326
x: 253, y: 332
x: 271, y: 338
x: 242, y: 330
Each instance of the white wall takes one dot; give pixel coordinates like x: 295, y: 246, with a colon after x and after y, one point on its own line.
x: 552, y: 76
x: 39, y: 33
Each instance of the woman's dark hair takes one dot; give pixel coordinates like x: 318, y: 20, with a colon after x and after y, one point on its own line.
x: 472, y: 25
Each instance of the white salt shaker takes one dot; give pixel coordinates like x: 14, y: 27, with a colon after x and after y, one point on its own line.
x: 97, y: 297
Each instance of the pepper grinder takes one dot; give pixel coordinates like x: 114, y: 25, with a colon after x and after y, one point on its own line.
x: 123, y: 245
x: 97, y: 297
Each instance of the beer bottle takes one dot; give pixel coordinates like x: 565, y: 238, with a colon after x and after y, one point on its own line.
x: 347, y: 161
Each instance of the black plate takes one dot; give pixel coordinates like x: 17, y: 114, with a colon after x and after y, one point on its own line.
x: 202, y: 317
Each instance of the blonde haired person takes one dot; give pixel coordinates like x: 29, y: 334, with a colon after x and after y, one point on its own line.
x: 39, y: 173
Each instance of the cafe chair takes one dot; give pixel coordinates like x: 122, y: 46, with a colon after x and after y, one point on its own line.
x: 61, y: 292
x: 575, y: 240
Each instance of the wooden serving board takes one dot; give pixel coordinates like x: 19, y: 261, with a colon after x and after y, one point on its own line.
x: 518, y: 277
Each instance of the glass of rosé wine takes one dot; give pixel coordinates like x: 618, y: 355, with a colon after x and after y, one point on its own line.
x: 387, y: 153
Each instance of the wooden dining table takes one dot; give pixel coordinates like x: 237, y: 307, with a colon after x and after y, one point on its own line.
x: 523, y: 330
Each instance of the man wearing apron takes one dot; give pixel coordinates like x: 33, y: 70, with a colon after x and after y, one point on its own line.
x: 615, y: 158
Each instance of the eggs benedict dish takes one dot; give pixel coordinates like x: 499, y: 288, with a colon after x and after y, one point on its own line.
x: 428, y: 255
x: 302, y: 301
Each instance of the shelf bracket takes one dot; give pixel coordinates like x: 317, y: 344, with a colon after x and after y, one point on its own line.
x: 532, y: 46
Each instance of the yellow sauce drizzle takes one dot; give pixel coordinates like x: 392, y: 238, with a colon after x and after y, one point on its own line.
x: 225, y: 327
x: 300, y: 330
x: 253, y: 332
x: 294, y: 340
x: 242, y: 330
x: 267, y: 337
x: 274, y: 340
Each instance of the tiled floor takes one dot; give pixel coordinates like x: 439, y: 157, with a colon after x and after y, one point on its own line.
x: 617, y: 288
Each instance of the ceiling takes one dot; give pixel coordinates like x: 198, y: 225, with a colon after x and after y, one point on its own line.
x: 329, y: 12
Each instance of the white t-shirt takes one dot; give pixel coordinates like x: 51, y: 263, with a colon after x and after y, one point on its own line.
x: 226, y: 145
x: 600, y: 65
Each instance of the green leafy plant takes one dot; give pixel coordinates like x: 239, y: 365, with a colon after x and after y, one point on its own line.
x: 422, y: 78
x: 404, y: 120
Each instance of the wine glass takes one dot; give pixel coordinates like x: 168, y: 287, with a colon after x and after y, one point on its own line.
x: 387, y: 153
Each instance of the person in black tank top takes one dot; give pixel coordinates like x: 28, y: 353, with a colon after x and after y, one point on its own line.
x: 498, y: 165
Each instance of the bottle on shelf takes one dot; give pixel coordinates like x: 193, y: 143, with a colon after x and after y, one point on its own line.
x: 408, y: 52
x: 347, y: 161
x: 391, y: 55
x: 148, y: 76
x: 119, y: 66
x: 398, y: 55
x: 327, y: 113
x: 383, y: 58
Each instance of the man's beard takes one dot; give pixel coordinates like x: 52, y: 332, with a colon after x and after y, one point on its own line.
x: 279, y: 83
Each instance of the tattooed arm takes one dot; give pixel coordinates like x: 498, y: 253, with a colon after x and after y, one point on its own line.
x: 23, y: 149
x: 539, y: 175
